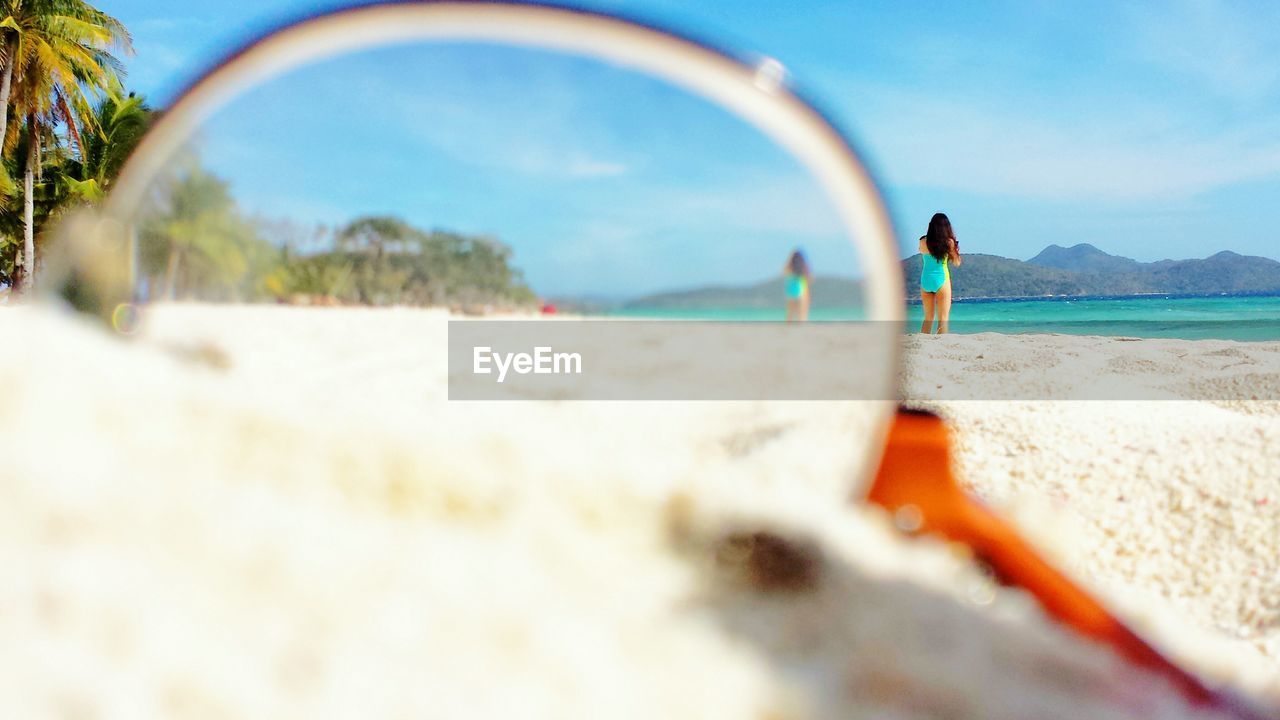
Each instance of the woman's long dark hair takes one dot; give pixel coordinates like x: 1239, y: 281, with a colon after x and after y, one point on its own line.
x: 940, y: 236
x: 798, y: 265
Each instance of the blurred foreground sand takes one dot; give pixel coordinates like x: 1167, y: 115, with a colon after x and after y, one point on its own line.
x: 270, y: 512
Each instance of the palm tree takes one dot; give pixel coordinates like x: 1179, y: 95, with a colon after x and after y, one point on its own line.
x: 199, y: 245
x: 31, y: 27
x: 118, y: 125
x: 57, y: 53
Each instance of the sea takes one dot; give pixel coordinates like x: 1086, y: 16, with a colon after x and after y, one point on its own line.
x: 1190, y: 317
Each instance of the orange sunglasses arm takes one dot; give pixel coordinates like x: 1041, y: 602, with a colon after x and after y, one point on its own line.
x: 915, y: 475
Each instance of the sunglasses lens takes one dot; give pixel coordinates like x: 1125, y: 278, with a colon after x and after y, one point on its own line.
x: 379, y: 227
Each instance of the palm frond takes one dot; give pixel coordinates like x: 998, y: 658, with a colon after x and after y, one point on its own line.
x: 8, y: 186
x: 77, y: 30
x: 89, y: 190
x: 69, y: 117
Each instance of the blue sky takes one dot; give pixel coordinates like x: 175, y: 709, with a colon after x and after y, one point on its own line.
x: 603, y: 180
x: 1149, y: 130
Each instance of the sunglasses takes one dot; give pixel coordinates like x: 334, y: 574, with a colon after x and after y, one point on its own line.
x: 496, y: 157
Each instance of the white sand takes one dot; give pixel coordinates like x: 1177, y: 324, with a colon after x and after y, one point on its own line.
x: 1177, y: 500
x: 287, y: 522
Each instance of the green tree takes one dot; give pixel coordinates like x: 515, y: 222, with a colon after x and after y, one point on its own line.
x: 118, y: 124
x: 67, y: 180
x: 320, y: 276
x: 394, y: 262
x: 57, y: 55
x: 197, y: 244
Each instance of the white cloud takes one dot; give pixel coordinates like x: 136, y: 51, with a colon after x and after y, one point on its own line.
x: 535, y: 156
x: 1122, y: 104
x: 1224, y: 50
x: 168, y: 52
x: 1050, y: 150
x: 585, y: 167
x: 790, y: 203
x: 543, y: 141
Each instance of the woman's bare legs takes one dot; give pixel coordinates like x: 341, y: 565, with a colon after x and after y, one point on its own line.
x: 943, y: 304
x: 926, y: 299
x: 792, y: 309
x: 803, y: 302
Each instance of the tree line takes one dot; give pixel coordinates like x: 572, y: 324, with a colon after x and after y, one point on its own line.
x: 196, y: 244
x: 68, y: 126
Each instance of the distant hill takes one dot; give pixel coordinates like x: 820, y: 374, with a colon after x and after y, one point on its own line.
x: 1224, y: 272
x: 1079, y: 270
x: 1085, y: 270
x: 994, y: 276
x: 1083, y: 258
x: 826, y: 291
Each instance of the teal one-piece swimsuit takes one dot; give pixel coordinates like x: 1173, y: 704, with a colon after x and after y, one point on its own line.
x: 933, y: 274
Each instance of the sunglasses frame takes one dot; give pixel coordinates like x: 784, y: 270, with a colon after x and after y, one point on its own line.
x: 756, y: 91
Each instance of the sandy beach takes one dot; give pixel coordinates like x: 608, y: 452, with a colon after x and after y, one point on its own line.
x: 1174, y: 503
x: 271, y: 512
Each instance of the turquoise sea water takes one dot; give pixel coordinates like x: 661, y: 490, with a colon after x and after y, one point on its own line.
x: 1227, y: 317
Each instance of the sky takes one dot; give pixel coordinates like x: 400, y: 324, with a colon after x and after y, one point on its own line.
x: 1146, y: 129
x: 604, y: 181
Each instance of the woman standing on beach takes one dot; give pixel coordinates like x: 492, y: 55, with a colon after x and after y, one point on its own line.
x: 938, y: 250
x: 796, y: 272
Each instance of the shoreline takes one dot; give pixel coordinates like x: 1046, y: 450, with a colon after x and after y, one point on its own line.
x: 1132, y: 296
x: 915, y: 300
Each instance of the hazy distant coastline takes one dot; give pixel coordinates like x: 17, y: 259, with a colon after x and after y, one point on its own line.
x: 1080, y: 271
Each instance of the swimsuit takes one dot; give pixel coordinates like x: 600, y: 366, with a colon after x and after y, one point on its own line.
x: 796, y: 286
x: 933, y: 274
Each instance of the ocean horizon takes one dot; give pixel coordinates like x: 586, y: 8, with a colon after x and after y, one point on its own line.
x: 1241, y: 317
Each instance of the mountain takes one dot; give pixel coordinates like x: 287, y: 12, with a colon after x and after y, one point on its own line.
x: 1224, y: 272
x: 1082, y: 258
x: 994, y: 276
x: 1087, y: 271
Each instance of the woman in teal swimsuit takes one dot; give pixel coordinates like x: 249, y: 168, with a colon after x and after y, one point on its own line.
x: 939, y: 251
x: 796, y: 272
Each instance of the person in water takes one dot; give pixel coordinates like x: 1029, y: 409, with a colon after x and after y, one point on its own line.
x: 796, y: 272
x: 939, y: 251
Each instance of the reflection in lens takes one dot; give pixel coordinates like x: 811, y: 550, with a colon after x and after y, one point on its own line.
x: 495, y: 177
x: 403, y: 187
